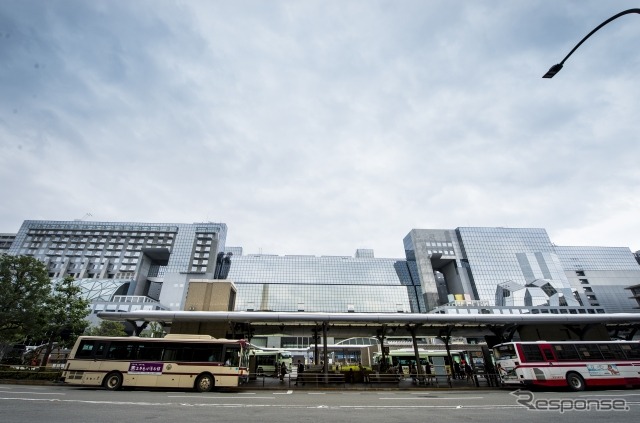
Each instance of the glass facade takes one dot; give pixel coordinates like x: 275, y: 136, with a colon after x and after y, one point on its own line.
x: 477, y: 266
x: 600, y: 275
x: 5, y: 242
x: 597, y: 258
x: 324, y: 284
x: 509, y: 255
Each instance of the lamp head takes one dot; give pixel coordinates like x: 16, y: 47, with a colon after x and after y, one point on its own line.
x: 552, y: 71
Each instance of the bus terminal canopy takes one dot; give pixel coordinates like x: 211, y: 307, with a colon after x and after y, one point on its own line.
x: 376, y: 324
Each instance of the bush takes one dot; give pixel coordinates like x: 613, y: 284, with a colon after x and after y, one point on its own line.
x: 29, y: 373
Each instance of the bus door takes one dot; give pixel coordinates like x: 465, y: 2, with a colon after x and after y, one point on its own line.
x: 98, y: 355
x: 95, y: 361
x: 550, y: 358
x: 101, y: 348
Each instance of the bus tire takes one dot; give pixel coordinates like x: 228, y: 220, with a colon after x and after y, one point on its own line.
x: 204, y: 383
x: 575, y: 382
x: 112, y: 381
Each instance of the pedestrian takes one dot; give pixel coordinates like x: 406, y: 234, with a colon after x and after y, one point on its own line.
x: 413, y: 373
x: 456, y: 370
x: 468, y: 371
x: 283, y: 371
x: 300, y: 376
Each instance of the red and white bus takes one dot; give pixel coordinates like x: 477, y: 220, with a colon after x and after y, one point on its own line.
x: 573, y: 364
x: 197, y: 362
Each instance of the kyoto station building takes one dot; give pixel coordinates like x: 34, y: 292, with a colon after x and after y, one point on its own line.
x: 129, y: 266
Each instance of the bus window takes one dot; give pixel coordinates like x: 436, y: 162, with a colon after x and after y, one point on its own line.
x: 632, y: 351
x: 150, y: 351
x: 547, y: 352
x: 120, y: 351
x: 101, y: 349
x: 170, y: 352
x: 205, y: 353
x: 531, y: 353
x: 589, y: 352
x: 266, y: 360
x: 611, y: 351
x: 86, y: 349
x: 566, y: 352
x: 195, y: 353
x: 231, y: 356
x: 505, y: 352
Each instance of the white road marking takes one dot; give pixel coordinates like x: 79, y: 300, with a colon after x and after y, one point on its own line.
x: 289, y: 392
x: 34, y: 393
x: 427, y: 398
x: 216, y: 397
x: 603, y: 395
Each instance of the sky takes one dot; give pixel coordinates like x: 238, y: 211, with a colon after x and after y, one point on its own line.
x: 320, y: 127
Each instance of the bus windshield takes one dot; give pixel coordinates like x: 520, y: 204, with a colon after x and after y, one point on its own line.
x: 505, y: 352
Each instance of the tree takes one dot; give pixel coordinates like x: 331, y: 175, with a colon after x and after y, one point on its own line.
x: 31, y: 308
x: 67, y: 309
x: 66, y: 314
x: 153, y: 330
x: 25, y: 288
x: 106, y: 328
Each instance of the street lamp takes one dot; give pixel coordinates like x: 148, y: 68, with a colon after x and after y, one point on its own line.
x: 556, y: 68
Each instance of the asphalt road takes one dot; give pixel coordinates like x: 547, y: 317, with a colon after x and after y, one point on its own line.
x: 51, y: 404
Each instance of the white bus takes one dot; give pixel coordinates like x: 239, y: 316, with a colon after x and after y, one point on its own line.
x: 572, y: 364
x: 268, y: 361
x: 198, y: 362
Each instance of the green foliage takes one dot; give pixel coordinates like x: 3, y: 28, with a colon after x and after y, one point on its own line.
x: 12, y: 373
x: 106, y: 328
x: 25, y: 288
x: 66, y: 312
x: 31, y: 308
x: 153, y: 330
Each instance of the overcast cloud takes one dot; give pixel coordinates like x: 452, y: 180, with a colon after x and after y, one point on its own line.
x: 320, y: 127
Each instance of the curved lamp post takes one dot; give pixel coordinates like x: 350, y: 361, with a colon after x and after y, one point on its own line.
x: 556, y: 68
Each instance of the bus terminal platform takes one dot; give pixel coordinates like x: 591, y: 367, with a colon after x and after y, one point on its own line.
x: 370, y: 381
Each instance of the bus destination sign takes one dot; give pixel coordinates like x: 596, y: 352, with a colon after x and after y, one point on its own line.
x: 145, y: 368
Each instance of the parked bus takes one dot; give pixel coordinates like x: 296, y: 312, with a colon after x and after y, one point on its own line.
x: 200, y: 362
x: 576, y: 365
x: 268, y: 361
x: 403, y: 357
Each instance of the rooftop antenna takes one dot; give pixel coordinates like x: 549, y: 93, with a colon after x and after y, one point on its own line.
x: 85, y: 217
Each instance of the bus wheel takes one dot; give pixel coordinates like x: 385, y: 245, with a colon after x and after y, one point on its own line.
x: 204, y: 383
x: 113, y: 381
x: 575, y: 382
